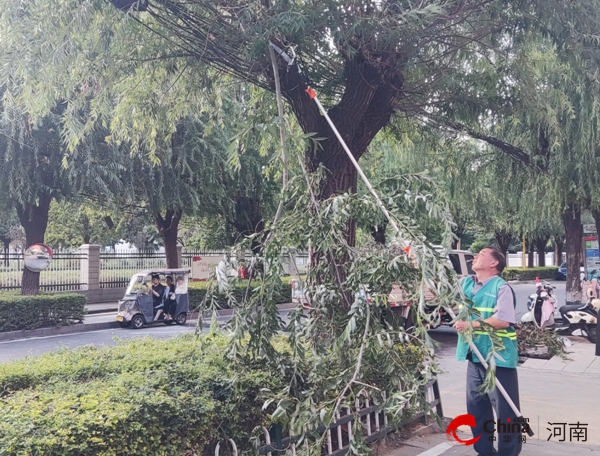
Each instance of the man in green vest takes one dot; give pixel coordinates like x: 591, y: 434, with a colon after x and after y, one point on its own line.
x: 495, y: 301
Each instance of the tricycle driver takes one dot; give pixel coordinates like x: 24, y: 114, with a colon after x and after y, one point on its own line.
x: 158, y: 291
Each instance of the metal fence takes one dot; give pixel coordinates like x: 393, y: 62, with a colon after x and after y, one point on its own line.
x: 63, y: 274
x: 116, y: 268
x: 187, y: 256
x: 339, y: 435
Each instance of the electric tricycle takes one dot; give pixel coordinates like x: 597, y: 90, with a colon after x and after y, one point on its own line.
x: 155, y: 296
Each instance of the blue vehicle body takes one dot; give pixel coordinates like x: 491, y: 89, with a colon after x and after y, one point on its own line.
x: 561, y: 274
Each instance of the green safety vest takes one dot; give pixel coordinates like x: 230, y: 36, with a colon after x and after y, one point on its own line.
x: 485, y: 302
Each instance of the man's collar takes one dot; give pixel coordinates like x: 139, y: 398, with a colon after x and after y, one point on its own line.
x: 483, y: 282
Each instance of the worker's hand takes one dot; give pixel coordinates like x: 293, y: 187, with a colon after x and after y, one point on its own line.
x: 461, y: 326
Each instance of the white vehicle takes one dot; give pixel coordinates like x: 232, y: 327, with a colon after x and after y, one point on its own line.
x: 582, y: 317
x: 461, y: 261
x: 541, y: 306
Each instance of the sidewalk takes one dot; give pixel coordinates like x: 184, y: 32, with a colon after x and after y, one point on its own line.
x: 582, y: 360
x: 438, y: 444
x: 551, y: 391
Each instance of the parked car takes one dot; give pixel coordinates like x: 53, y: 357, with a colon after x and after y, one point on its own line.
x: 561, y: 274
x: 461, y: 261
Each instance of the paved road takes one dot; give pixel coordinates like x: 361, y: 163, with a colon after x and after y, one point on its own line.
x: 20, y: 348
x: 17, y: 349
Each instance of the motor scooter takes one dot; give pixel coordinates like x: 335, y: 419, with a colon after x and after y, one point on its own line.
x: 583, y: 317
x: 541, y: 306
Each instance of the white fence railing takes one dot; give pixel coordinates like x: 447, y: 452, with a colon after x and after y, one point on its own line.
x: 339, y: 435
x: 63, y: 274
x: 89, y: 268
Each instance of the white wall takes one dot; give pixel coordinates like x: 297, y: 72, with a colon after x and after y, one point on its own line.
x: 514, y: 260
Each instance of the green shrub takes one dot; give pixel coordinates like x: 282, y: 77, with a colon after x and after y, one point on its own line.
x: 30, y: 312
x: 197, y: 292
x: 142, y: 397
x: 547, y: 272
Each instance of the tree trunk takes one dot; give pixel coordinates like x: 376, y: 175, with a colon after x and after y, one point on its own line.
x: 168, y: 231
x: 596, y: 215
x: 573, y: 234
x: 365, y: 107
x: 540, y: 246
x: 458, y: 230
x: 6, y: 242
x: 558, y: 249
x: 503, y: 239
x: 530, y: 255
x: 34, y: 220
x: 249, y: 220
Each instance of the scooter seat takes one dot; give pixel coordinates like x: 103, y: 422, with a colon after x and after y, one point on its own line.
x: 569, y: 307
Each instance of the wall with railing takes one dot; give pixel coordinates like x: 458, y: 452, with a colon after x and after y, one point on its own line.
x: 103, y: 276
x: 63, y: 274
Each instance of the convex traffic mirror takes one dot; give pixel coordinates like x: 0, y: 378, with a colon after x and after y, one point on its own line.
x: 37, y: 257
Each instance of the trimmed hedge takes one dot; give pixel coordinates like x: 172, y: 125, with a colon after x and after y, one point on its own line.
x: 30, y: 312
x: 197, y: 292
x: 547, y: 272
x: 143, y: 397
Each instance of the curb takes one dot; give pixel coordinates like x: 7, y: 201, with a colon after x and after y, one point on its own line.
x: 44, y: 332
x: 86, y: 327
x: 523, y: 282
x: 101, y: 311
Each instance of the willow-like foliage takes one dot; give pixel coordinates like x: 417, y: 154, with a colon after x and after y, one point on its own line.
x: 335, y: 351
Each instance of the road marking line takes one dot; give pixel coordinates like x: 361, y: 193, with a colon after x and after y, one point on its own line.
x: 437, y: 450
x: 137, y: 334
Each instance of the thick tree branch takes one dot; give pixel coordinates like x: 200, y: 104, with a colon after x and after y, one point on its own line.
x: 362, y: 82
x: 514, y: 152
x: 293, y: 88
x: 376, y: 117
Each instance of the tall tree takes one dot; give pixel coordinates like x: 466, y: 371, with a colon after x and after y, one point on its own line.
x: 183, y: 179
x: 369, y: 60
x: 36, y: 168
x: 8, y: 224
x: 545, y: 116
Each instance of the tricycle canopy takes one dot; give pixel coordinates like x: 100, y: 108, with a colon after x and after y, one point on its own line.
x: 142, y: 281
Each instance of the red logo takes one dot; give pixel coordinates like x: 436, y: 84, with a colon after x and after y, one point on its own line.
x: 461, y: 420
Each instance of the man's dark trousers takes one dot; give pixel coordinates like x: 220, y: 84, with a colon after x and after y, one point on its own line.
x: 482, y: 406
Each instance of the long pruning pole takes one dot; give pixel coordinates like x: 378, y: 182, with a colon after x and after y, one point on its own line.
x: 312, y: 94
